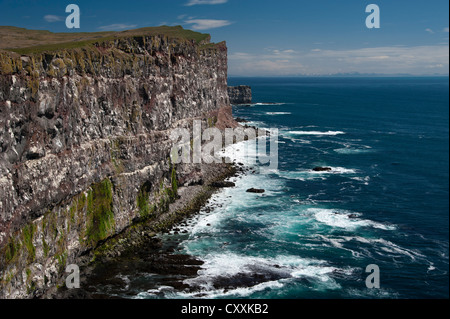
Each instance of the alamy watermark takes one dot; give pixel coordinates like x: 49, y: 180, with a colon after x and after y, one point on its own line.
x: 373, y: 280
x: 209, y: 146
x: 73, y: 279
x: 373, y: 20
x: 73, y: 19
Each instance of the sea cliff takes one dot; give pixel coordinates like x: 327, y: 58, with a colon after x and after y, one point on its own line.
x: 241, y: 94
x: 85, y: 144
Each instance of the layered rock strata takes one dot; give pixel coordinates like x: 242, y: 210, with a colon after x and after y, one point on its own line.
x: 85, y: 144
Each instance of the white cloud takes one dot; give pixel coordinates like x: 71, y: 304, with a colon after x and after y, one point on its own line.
x: 53, y: 18
x: 445, y: 30
x: 279, y: 54
x: 117, y: 26
x: 436, y: 66
x: 199, y: 2
x: 249, y: 65
x: 429, y: 30
x: 205, y: 24
x: 274, y: 62
x: 419, y: 60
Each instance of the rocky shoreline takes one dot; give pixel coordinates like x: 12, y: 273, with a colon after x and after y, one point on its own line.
x: 140, y: 248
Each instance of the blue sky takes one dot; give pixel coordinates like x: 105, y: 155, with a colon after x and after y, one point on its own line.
x: 275, y: 37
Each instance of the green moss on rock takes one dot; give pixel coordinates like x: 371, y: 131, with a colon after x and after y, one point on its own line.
x: 100, y: 223
x: 11, y: 250
x: 27, y: 233
x: 174, y: 183
x: 143, y: 202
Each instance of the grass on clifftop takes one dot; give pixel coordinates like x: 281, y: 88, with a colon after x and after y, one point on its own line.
x: 25, y: 41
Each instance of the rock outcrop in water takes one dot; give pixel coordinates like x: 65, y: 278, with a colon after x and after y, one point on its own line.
x: 240, y: 94
x: 256, y: 190
x: 322, y: 169
x: 85, y: 146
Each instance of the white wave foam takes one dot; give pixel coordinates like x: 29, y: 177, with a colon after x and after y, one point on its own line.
x: 231, y: 265
x: 244, y: 152
x: 318, y: 133
x: 260, y: 104
x: 267, y: 104
x: 380, y: 246
x: 390, y: 247
x: 353, y: 150
x: 338, y: 170
x: 364, y: 180
x: 258, y: 124
x: 125, y: 279
x: 304, y: 175
x: 345, y: 219
x: 371, y: 293
x: 241, y: 292
x: 278, y: 113
x: 161, y: 291
x: 299, y: 140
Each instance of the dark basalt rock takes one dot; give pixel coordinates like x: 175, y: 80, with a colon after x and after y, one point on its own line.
x: 240, y: 94
x: 255, y: 190
x: 322, y: 169
x: 223, y: 184
x: 241, y: 120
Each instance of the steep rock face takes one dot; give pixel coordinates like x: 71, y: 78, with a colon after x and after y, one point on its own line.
x: 85, y: 144
x: 240, y: 94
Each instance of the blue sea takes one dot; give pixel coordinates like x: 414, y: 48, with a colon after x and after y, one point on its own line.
x: 312, y: 235
x: 384, y: 202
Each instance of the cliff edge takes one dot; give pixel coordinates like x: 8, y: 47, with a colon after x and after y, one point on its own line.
x: 85, y: 139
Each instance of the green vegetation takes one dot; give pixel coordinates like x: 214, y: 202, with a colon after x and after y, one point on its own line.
x: 166, y: 196
x: 81, y: 202
x: 31, y: 287
x: 12, y: 249
x: 27, y: 233
x: 142, y: 202
x: 174, y: 183
x: 28, y: 272
x: 100, y: 216
x: 6, y: 66
x: 25, y: 42
x: 212, y: 121
x: 45, y: 246
x: 176, y: 32
x: 62, y: 260
x: 33, y: 84
x: 9, y: 64
x: 52, y: 47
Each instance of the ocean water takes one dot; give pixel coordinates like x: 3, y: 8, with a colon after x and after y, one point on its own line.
x: 312, y: 234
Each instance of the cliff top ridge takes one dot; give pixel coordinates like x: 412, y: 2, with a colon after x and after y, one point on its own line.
x: 24, y: 41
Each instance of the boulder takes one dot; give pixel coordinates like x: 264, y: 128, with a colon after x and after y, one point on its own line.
x: 223, y: 184
x: 255, y: 190
x: 322, y: 169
